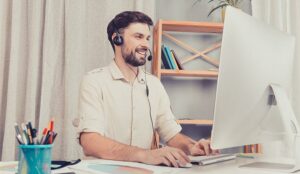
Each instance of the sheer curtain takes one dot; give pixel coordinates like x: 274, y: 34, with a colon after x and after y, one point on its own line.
x: 285, y: 15
x: 45, y: 48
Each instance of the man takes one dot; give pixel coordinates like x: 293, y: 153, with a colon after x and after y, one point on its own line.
x: 121, y: 106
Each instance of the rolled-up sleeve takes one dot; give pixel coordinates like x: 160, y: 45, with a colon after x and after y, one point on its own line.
x: 91, y: 114
x: 166, y: 124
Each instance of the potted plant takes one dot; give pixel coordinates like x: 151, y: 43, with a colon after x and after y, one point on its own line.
x: 222, y: 4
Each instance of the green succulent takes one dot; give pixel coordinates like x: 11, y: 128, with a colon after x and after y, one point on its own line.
x: 222, y: 4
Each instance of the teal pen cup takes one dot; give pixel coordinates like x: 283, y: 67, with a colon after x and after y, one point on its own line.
x: 35, y: 159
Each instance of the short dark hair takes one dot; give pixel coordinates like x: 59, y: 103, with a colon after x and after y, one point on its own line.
x: 123, y: 20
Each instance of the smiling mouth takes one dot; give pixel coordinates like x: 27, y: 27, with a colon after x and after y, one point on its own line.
x: 142, y: 51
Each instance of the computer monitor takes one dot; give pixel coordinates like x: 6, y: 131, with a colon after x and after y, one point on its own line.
x: 255, y: 74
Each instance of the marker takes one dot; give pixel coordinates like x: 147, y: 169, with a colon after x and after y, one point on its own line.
x: 43, y: 136
x: 51, y: 131
x: 51, y: 125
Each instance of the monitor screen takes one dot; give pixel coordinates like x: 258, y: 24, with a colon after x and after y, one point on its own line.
x: 253, y: 56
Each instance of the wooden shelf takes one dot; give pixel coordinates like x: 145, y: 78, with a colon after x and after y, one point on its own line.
x: 161, y: 30
x: 197, y: 122
x: 181, y: 26
x: 189, y: 73
x: 189, y: 26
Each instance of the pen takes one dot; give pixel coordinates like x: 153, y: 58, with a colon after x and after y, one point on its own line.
x: 47, y: 137
x: 54, y: 136
x: 24, y: 135
x: 29, y: 134
x: 34, y: 136
x: 18, y: 136
x: 31, y: 130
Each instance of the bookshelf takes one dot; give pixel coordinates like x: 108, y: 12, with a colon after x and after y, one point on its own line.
x: 159, y: 31
x: 164, y: 26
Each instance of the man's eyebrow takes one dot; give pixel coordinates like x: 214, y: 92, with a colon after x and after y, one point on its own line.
x: 137, y: 33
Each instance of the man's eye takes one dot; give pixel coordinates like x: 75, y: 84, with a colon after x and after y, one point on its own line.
x: 139, y: 37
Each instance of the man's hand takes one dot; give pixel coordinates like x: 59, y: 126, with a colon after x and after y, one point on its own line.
x: 202, y: 147
x: 167, y: 155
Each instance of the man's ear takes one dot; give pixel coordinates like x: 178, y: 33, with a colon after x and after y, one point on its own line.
x: 113, y: 36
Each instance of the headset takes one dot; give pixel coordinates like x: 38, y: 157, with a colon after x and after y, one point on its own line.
x: 118, y: 39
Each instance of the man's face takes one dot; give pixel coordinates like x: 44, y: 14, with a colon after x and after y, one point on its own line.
x: 136, y: 43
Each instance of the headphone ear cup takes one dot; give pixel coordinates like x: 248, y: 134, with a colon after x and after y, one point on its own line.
x: 118, y: 40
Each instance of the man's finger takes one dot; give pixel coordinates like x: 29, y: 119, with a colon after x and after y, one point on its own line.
x: 197, y: 151
x: 205, y: 146
x: 215, y: 152
x: 166, y: 162
x: 184, y: 156
x: 181, y: 160
x: 171, y: 158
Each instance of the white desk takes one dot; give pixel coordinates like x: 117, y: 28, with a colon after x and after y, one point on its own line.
x: 229, y: 167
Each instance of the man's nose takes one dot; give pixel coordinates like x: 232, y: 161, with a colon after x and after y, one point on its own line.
x: 146, y: 43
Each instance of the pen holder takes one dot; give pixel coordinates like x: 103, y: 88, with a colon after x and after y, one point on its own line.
x: 35, y: 159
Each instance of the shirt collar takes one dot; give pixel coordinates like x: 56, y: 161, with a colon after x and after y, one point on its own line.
x: 118, y: 75
x: 115, y: 71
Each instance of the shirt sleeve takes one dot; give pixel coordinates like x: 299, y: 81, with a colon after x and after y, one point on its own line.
x: 167, y: 126
x: 91, y: 114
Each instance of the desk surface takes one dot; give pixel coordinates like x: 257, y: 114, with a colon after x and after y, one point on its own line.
x: 228, y: 167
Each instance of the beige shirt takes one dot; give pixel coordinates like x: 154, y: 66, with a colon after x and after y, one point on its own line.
x: 112, y: 107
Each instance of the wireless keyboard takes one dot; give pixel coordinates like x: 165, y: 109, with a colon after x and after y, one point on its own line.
x: 211, y: 159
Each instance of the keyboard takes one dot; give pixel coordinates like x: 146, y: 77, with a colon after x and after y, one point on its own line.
x: 211, y: 159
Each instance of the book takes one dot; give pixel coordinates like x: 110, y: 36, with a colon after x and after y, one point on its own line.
x: 177, y: 60
x: 164, y: 58
x: 169, y: 54
x: 174, y: 60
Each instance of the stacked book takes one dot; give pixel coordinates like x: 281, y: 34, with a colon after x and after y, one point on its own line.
x: 170, y: 59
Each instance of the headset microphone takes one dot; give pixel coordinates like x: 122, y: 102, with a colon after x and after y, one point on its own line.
x: 150, y: 55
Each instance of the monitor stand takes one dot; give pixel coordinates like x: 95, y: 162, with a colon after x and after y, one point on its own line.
x: 292, y: 128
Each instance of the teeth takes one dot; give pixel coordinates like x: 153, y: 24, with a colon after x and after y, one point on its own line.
x: 142, y: 52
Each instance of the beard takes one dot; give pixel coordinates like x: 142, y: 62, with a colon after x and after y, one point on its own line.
x: 132, y: 59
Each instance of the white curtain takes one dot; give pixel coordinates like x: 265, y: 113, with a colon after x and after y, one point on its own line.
x: 45, y: 48
x: 285, y: 15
